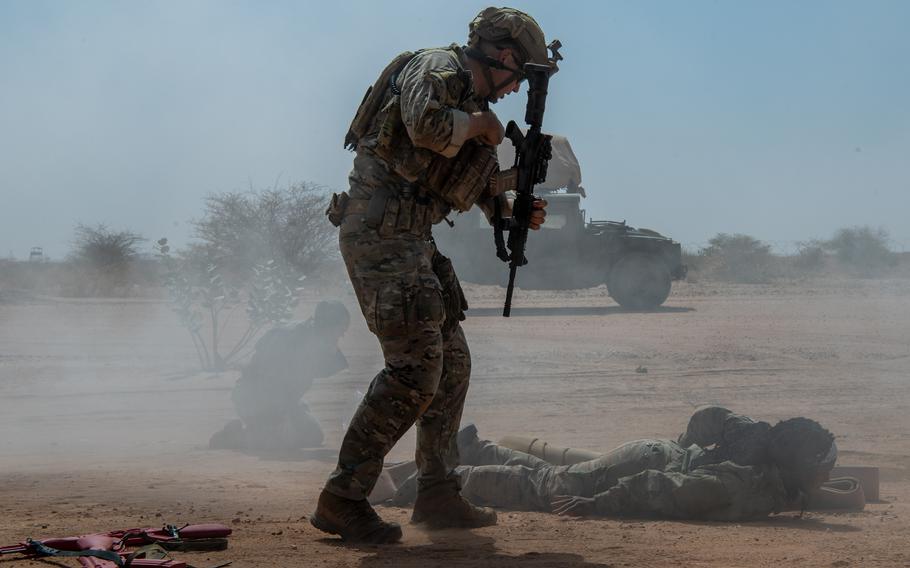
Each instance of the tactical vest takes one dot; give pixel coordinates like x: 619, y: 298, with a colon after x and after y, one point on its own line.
x: 458, y: 181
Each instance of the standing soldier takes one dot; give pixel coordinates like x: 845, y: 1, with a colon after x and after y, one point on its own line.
x: 426, y: 144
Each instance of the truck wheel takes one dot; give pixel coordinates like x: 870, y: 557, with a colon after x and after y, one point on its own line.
x: 639, y: 281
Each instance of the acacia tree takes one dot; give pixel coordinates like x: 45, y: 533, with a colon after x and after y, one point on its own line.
x: 862, y: 249
x: 254, y: 251
x: 286, y: 225
x: 206, y: 302
x: 738, y: 258
x: 105, y: 255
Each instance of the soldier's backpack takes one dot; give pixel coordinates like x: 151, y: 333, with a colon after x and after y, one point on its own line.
x: 373, y: 99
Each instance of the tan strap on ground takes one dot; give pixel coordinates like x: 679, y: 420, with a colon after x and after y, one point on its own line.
x: 840, y: 493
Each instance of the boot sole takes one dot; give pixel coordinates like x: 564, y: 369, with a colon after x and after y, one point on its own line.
x: 383, y: 535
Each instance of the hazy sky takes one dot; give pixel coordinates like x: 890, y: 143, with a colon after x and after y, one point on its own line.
x: 780, y: 119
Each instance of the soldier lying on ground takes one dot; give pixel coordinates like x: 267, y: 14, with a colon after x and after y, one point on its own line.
x: 268, y: 393
x: 726, y: 467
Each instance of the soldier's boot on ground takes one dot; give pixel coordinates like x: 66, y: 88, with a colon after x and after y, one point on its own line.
x: 468, y: 442
x: 442, y: 507
x: 467, y: 436
x: 353, y: 520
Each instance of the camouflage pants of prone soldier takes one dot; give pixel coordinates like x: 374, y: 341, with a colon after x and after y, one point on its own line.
x: 501, y: 477
x: 412, y: 302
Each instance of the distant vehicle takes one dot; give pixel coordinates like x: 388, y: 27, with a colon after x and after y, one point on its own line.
x: 637, y: 265
x: 36, y: 255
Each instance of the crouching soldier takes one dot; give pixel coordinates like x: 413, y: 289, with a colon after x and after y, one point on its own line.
x: 267, y: 396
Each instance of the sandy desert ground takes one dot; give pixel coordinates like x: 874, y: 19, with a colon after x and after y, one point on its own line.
x: 105, y: 423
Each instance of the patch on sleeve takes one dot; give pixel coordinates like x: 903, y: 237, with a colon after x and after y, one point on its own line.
x: 450, y: 86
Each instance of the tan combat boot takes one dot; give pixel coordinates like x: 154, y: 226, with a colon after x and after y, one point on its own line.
x: 442, y: 507
x: 353, y: 521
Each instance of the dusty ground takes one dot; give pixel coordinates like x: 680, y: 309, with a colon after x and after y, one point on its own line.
x: 105, y: 424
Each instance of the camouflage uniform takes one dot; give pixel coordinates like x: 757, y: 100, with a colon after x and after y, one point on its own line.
x: 658, y: 477
x: 407, y: 290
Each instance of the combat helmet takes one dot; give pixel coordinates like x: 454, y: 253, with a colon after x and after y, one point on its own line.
x: 513, y: 27
x: 331, y: 314
x: 508, y: 27
x: 802, y: 449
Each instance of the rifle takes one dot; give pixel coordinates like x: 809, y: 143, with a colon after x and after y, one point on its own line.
x: 532, y: 151
x: 107, y: 550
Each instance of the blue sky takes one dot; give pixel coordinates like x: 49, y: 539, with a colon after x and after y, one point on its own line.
x: 783, y: 120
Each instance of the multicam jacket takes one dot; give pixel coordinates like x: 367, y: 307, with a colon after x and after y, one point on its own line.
x: 432, y: 98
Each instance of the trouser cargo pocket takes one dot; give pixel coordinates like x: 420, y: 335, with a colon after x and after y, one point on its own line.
x: 398, y: 310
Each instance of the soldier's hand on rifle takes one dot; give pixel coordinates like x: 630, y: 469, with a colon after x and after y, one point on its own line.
x: 538, y: 213
x: 573, y: 506
x: 485, y: 126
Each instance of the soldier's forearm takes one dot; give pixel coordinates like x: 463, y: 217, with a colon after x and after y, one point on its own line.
x: 613, y: 502
x: 485, y: 126
x: 478, y: 123
x: 443, y: 131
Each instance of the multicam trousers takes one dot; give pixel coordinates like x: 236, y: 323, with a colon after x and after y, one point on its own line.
x: 412, y: 302
x: 511, y: 479
x: 644, y: 477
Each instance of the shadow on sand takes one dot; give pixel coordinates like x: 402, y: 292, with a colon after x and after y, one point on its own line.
x: 807, y: 524
x: 461, y: 548
x: 575, y: 311
x: 795, y: 522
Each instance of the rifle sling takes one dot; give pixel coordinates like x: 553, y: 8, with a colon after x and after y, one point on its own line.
x: 499, y: 225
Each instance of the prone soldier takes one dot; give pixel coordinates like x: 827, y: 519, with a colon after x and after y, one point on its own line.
x: 725, y: 467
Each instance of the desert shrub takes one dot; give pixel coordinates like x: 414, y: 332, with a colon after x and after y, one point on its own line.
x: 810, y: 256
x: 103, y: 259
x: 205, y: 301
x: 288, y: 226
x: 737, y: 258
x: 862, y: 249
x: 102, y: 247
x: 694, y: 263
x: 253, y: 252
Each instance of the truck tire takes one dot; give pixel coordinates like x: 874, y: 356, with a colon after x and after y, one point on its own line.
x: 639, y: 281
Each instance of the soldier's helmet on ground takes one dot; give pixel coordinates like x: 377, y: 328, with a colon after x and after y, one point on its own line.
x: 331, y: 315
x: 802, y: 449
x: 508, y: 27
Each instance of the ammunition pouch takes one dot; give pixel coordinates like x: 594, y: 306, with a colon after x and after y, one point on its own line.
x: 405, y: 213
x: 503, y: 182
x: 461, y: 180
x: 386, y: 212
x: 336, y: 208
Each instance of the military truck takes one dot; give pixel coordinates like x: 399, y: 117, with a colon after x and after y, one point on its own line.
x: 637, y: 265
